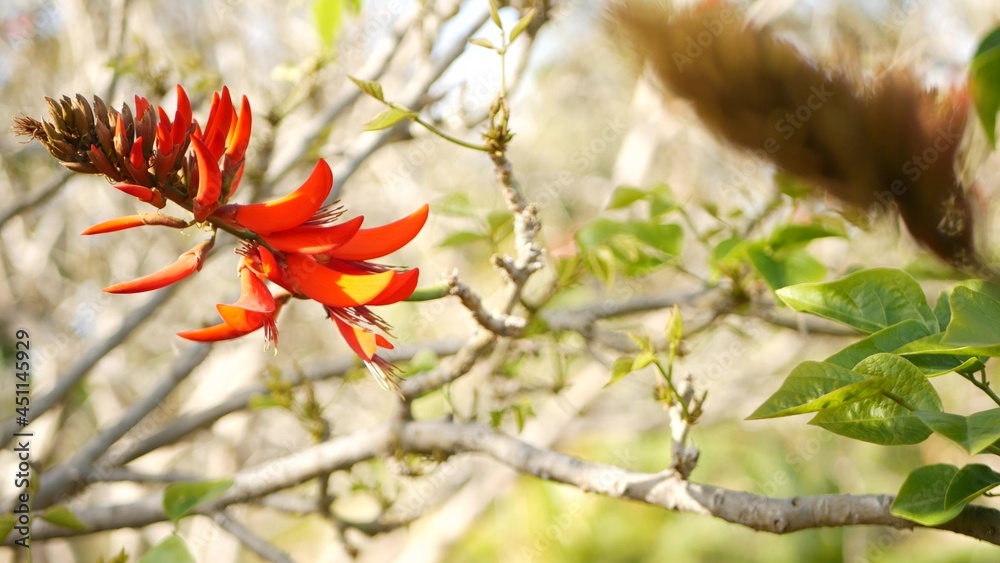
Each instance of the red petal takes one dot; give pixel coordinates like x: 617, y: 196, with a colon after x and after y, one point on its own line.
x: 213, y: 333
x: 333, y: 288
x: 141, y: 105
x: 209, y: 181
x: 379, y: 241
x: 188, y: 263
x: 142, y: 193
x: 314, y: 240
x: 272, y: 270
x: 290, y: 211
x: 401, y: 287
x: 182, y: 117
x: 219, y: 119
x: 119, y: 224
x: 361, y: 341
x: 254, y: 306
x: 239, y: 136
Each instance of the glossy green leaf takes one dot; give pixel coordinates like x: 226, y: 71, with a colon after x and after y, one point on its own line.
x: 180, y: 498
x: 975, y: 321
x: 64, y: 517
x: 387, y: 118
x: 888, y: 339
x: 922, y: 496
x: 522, y: 24
x: 373, y: 89
x: 785, y: 268
x: 886, y: 419
x: 625, y: 196
x: 984, y: 83
x: 970, y: 483
x: 975, y: 433
x: 814, y: 386
x: 869, y: 300
x: 170, y: 550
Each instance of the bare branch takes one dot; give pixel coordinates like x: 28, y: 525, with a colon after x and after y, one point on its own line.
x: 263, y: 548
x: 667, y: 490
x: 68, y: 477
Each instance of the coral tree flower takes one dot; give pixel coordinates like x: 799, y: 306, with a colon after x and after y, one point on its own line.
x: 294, y: 243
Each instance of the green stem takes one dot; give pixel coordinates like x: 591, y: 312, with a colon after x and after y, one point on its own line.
x: 429, y: 292
x: 983, y: 385
x: 670, y: 383
x: 448, y: 137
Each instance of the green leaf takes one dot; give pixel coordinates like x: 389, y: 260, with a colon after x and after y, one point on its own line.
x: 387, y: 118
x: 62, y: 516
x: 886, y: 340
x: 814, y: 386
x: 882, y: 419
x: 665, y: 238
x: 170, y: 550
x: 483, y: 42
x: 922, y: 496
x: 180, y: 498
x: 643, y: 360
x: 620, y: 368
x: 522, y: 24
x: 984, y: 83
x: 328, y: 16
x: 786, y: 268
x: 462, y: 238
x: 975, y: 433
x: 495, y: 13
x: 869, y: 300
x: 7, y: 523
x: 501, y: 224
x: 798, y: 235
x: 373, y: 89
x: 625, y: 196
x: 970, y: 483
x: 975, y: 321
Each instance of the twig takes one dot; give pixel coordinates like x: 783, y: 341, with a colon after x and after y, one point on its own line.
x: 263, y: 548
x: 68, y: 477
x: 667, y: 490
x: 499, y: 324
x: 72, y: 377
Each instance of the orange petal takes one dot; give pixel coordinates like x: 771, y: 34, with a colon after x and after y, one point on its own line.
x: 379, y: 241
x: 333, y: 288
x: 209, y: 181
x: 141, y: 105
x: 119, y: 224
x: 314, y: 239
x: 402, y: 286
x: 213, y: 333
x: 255, y: 304
x: 188, y: 263
x: 361, y: 341
x: 290, y: 211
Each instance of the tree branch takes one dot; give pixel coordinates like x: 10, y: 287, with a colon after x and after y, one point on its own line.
x: 666, y: 489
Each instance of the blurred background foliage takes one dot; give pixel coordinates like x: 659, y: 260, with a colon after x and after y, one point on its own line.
x: 693, y: 214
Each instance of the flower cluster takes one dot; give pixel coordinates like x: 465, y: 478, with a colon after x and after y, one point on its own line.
x: 293, y: 243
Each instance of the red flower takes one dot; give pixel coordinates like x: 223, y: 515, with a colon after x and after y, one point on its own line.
x: 293, y: 242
